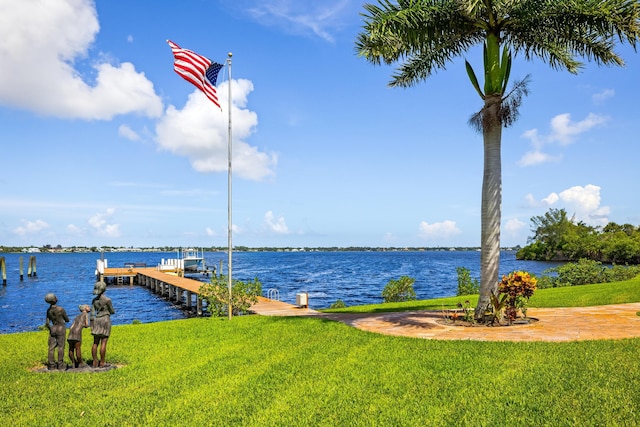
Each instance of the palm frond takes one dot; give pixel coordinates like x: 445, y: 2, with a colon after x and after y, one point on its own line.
x: 509, y: 106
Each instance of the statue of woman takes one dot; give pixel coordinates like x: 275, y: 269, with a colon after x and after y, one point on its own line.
x: 56, y: 324
x: 101, y: 311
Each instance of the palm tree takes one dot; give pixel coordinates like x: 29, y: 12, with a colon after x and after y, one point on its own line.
x: 424, y: 35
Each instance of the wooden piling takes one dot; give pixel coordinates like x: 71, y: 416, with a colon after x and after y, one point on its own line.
x: 31, y: 271
x: 21, y: 269
x: 3, y: 267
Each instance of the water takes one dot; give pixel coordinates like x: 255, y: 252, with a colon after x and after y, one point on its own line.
x: 353, y: 277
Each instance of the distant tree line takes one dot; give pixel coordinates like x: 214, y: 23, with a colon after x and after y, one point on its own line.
x: 560, y: 238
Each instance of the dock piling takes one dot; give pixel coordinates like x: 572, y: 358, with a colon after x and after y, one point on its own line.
x: 3, y: 267
x: 21, y: 269
x: 31, y: 272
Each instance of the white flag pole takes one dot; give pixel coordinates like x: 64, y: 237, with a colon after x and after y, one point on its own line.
x: 229, y: 230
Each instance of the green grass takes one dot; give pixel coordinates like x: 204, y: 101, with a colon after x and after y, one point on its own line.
x: 571, y: 296
x: 274, y: 371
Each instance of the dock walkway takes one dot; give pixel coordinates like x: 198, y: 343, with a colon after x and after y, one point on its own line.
x: 179, y: 290
x: 185, y: 291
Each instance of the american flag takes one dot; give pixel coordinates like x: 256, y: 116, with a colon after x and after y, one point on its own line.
x: 197, y: 70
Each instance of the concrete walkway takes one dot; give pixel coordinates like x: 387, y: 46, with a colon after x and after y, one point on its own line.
x: 554, y: 324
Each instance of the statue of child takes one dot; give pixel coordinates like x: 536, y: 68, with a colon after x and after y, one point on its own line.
x: 56, y: 324
x: 102, y: 309
x: 75, y: 336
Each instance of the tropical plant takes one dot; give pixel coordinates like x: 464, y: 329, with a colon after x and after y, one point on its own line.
x: 424, y: 35
x: 243, y: 295
x: 399, y: 290
x: 466, y: 285
x: 518, y: 287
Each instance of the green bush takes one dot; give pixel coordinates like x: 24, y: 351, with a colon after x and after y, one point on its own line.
x: 466, y: 285
x: 620, y: 273
x: 243, y: 295
x: 338, y: 304
x: 585, y: 272
x: 399, y: 290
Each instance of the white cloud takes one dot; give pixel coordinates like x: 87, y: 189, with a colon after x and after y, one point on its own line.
x: 563, y: 132
x: 551, y: 199
x: 31, y: 227
x: 211, y: 232
x: 536, y: 157
x: 126, y: 132
x: 603, y: 95
x: 276, y: 225
x: 514, y: 225
x: 99, y: 223
x: 42, y: 46
x: 74, y: 229
x: 581, y: 202
x: 200, y: 132
x: 438, y: 230
x: 310, y: 17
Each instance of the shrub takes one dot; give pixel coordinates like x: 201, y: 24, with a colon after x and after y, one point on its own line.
x: 243, y: 295
x: 583, y: 272
x: 587, y: 272
x: 399, y: 290
x: 518, y: 287
x: 338, y: 304
x: 466, y: 285
x: 619, y: 273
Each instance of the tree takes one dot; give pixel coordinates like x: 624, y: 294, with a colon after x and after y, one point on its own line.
x: 399, y: 290
x: 424, y: 35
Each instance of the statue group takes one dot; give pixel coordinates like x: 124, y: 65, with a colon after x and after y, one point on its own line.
x: 97, y: 317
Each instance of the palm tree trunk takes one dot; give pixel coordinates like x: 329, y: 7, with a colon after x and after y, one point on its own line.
x: 491, y: 204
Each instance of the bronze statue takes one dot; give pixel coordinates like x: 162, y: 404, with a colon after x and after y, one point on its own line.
x: 56, y: 324
x: 102, y: 309
x: 75, y: 336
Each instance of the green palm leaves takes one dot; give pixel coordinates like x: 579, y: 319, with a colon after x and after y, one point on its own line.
x: 496, y: 71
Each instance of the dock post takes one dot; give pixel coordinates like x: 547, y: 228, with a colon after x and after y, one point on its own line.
x: 32, y: 266
x: 21, y: 269
x: 3, y: 267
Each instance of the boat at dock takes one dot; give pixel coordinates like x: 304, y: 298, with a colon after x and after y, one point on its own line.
x: 189, y: 261
x: 193, y: 260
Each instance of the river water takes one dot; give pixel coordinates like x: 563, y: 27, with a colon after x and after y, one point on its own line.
x: 353, y: 277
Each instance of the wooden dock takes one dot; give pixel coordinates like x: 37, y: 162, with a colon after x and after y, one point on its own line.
x: 185, y: 292
x: 179, y: 290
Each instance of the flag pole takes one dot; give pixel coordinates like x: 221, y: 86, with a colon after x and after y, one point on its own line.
x: 229, y: 222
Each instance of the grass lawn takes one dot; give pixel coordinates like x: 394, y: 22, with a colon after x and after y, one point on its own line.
x: 273, y: 371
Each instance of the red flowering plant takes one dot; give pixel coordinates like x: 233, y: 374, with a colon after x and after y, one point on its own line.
x: 518, y: 288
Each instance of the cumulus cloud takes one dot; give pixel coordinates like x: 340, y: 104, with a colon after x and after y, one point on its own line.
x: 581, y: 202
x: 438, y: 230
x: 101, y: 226
x: 31, y: 227
x: 275, y: 225
x: 42, y: 46
x: 200, y: 132
x: 563, y: 131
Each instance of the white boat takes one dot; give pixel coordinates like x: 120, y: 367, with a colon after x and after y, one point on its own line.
x: 188, y: 260
x: 193, y: 260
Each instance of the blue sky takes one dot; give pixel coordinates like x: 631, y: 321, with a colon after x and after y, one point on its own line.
x: 104, y: 144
